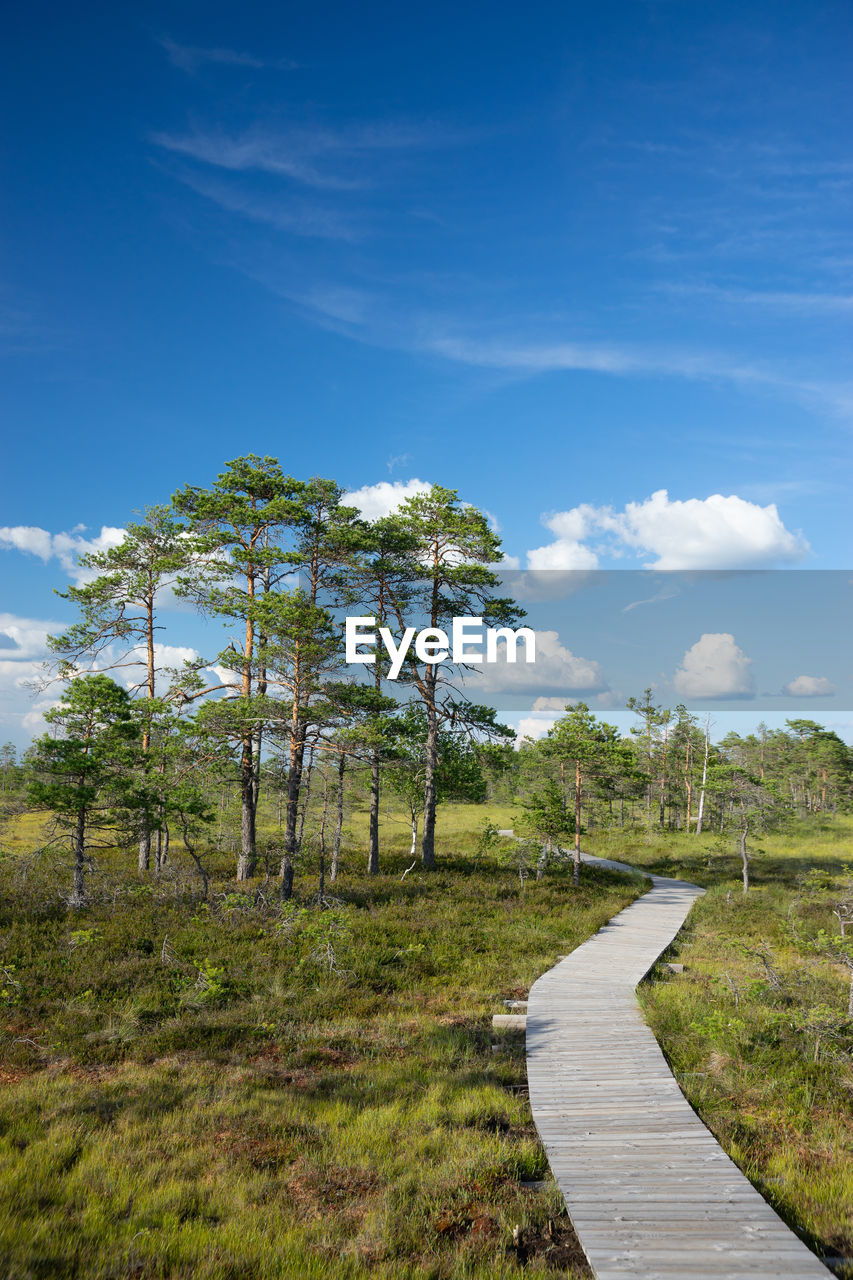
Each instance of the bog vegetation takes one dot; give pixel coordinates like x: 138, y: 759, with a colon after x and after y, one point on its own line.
x: 252, y: 931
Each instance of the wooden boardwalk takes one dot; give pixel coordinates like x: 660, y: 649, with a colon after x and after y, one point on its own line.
x: 650, y: 1192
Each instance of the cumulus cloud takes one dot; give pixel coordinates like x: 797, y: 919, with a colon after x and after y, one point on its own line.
x: 535, y: 727
x: 562, y: 554
x: 546, y: 711
x: 33, y: 720
x: 549, y: 704
x: 556, y: 667
x: 717, y: 532
x: 22, y: 657
x: 809, y: 687
x: 715, y: 667
x: 377, y: 500
x: 25, y: 638
x: 64, y: 547
x: 134, y: 662
x: 712, y: 533
x: 568, y: 550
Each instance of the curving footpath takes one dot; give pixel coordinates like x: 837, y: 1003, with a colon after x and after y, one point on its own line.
x: 650, y: 1192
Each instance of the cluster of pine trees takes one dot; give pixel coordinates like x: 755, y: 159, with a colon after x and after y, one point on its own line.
x: 137, y: 751
x: 277, y: 560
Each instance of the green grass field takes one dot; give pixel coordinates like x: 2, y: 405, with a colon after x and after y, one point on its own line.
x: 235, y: 1088
x: 241, y: 1089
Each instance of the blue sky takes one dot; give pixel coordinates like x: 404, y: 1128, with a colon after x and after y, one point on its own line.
x: 562, y: 257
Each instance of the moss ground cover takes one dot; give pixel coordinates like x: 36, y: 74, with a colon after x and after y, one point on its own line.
x: 236, y: 1088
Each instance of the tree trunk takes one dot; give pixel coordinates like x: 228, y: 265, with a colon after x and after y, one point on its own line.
x: 291, y: 813
x: 576, y: 868
x: 339, y: 823
x: 321, y: 891
x: 428, y: 843
x: 78, y: 894
x: 308, y: 775
x: 190, y: 848
x: 744, y: 855
x: 375, y: 794
x: 662, y: 797
x: 414, y: 820
x: 246, y: 862
x: 145, y: 849
x: 257, y: 745
x: 144, y: 861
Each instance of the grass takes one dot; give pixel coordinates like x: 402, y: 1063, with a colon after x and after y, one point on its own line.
x: 755, y: 1028
x: 240, y: 1089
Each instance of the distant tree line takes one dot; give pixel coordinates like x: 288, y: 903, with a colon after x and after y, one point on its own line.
x: 667, y: 775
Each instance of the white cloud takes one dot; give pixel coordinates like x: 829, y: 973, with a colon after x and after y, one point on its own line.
x: 546, y: 711
x: 711, y: 533
x: 27, y: 637
x: 550, y: 704
x: 22, y: 659
x: 33, y: 720
x: 377, y: 500
x: 64, y: 547
x: 568, y: 551
x: 29, y: 539
x: 809, y: 687
x: 134, y: 661
x: 19, y: 674
x: 556, y: 667
x: 24, y: 653
x: 714, y: 667
x: 717, y: 532
x: 562, y: 554
x: 533, y: 727
x: 611, y: 698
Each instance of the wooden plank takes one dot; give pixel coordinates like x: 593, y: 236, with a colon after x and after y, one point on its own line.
x: 651, y: 1194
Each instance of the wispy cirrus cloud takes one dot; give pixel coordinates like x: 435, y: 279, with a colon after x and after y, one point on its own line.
x: 258, y: 149
x: 283, y: 213
x: 791, y: 301
x: 328, y: 159
x: 191, y: 58
x: 615, y: 358
x: 625, y: 359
